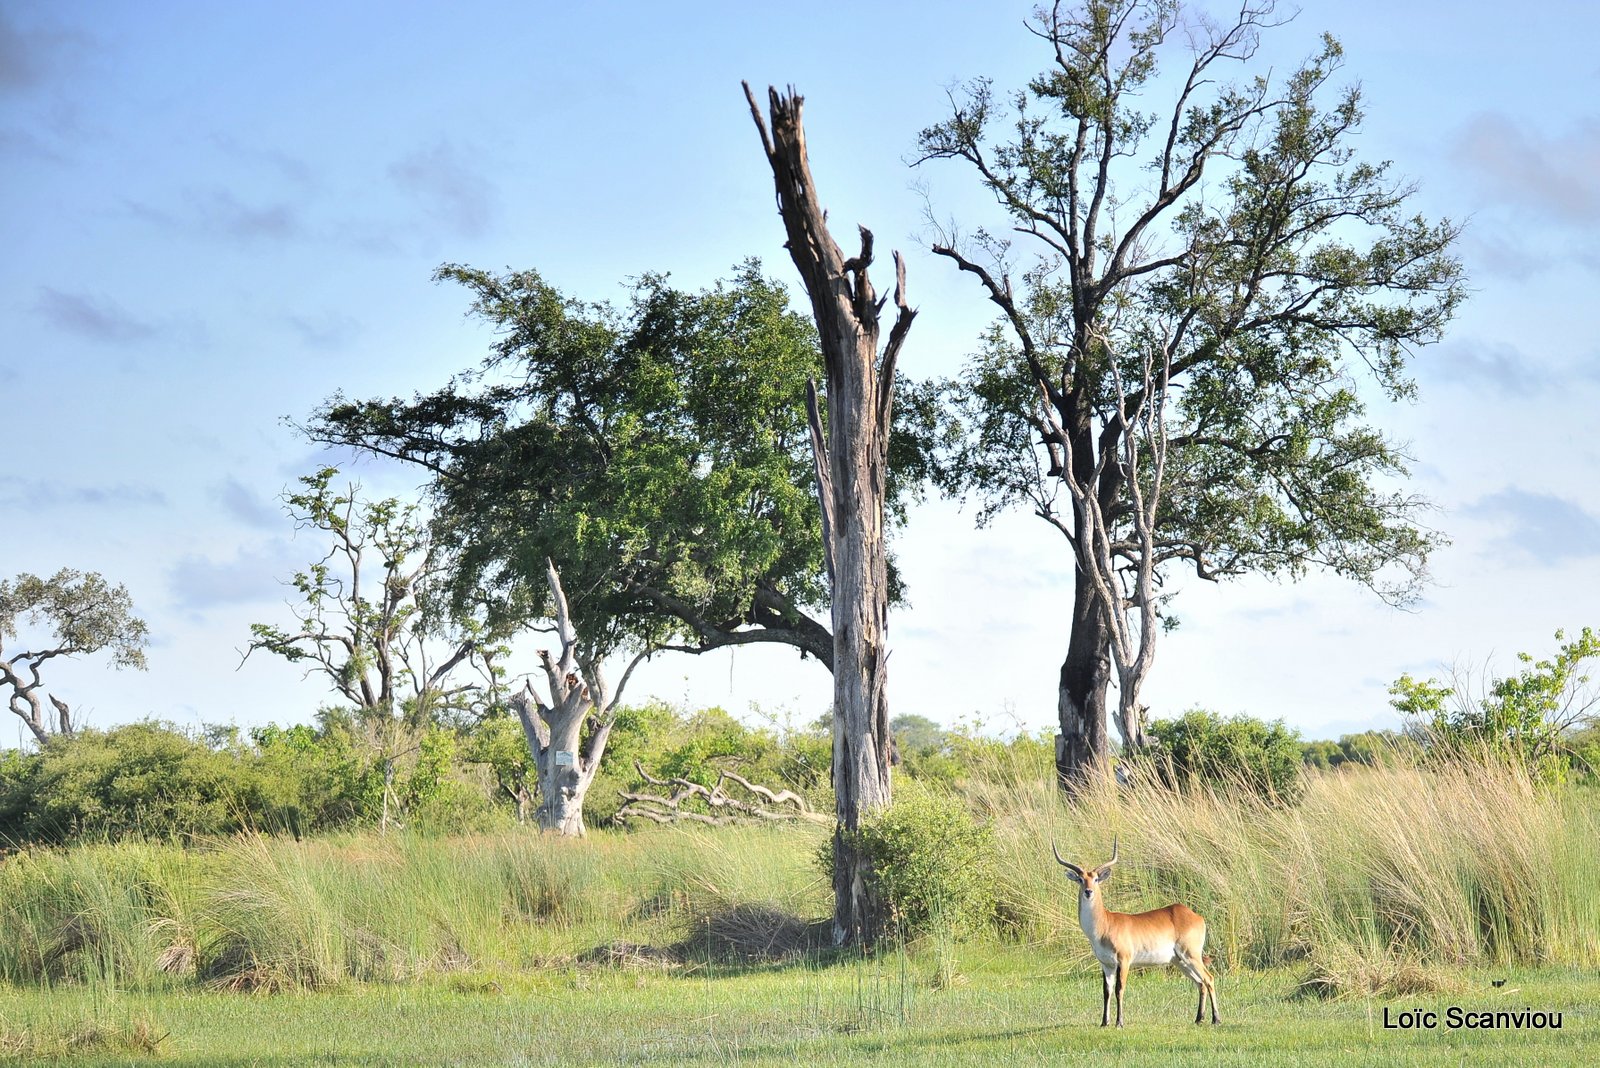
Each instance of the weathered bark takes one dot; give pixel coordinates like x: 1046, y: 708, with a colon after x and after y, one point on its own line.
x: 567, y: 735
x: 852, y: 464
x: 761, y: 804
x: 1081, y: 748
x: 25, y: 694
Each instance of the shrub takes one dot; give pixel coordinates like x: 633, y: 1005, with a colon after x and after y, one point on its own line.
x: 1201, y: 745
x: 1525, y: 718
x: 933, y: 862
x: 699, y: 746
x: 141, y: 779
x: 1371, y: 748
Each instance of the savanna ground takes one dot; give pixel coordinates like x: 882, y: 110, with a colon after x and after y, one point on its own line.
x: 1381, y: 888
x: 1008, y: 1005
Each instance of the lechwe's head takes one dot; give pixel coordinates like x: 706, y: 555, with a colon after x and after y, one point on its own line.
x: 1088, y: 878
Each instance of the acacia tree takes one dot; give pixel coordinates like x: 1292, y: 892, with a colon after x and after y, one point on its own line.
x: 1173, y: 383
x: 852, y: 465
x: 660, y: 452
x: 371, y: 617
x: 82, y: 614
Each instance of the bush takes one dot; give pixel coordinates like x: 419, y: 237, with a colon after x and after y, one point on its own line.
x: 142, y: 779
x: 1370, y: 748
x: 933, y: 862
x: 150, y: 780
x: 699, y: 746
x: 1526, y: 718
x: 1201, y: 745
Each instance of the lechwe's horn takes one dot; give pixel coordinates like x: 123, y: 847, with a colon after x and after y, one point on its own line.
x: 1073, y: 868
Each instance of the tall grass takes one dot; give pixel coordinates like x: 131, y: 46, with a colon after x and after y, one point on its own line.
x: 101, y: 914
x: 1373, y: 874
x: 257, y: 912
x: 1375, y: 879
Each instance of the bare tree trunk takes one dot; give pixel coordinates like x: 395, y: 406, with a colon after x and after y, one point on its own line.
x: 567, y: 760
x: 32, y: 713
x: 851, y: 457
x: 1082, y: 751
x: 25, y: 698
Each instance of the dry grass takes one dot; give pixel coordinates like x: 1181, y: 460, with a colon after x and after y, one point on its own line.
x: 1376, y: 880
x: 1377, y: 877
x: 137, y: 1037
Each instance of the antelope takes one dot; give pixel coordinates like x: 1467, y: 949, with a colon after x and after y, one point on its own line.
x: 1124, y: 940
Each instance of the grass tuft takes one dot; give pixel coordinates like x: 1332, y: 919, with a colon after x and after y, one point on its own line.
x: 136, y: 1037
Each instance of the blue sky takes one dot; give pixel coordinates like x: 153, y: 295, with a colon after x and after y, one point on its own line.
x: 214, y: 215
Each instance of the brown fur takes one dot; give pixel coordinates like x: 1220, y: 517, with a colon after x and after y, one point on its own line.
x: 1125, y: 940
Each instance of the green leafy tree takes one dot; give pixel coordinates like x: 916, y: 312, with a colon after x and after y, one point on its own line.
x: 1368, y: 748
x: 1526, y: 717
x: 80, y: 614
x: 1321, y: 754
x: 371, y: 618
x: 1172, y: 381
x: 659, y: 452
x: 1375, y: 748
x: 914, y: 734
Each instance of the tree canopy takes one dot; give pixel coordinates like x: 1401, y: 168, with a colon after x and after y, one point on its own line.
x: 658, y: 453
x: 1174, y: 379
x: 81, y: 613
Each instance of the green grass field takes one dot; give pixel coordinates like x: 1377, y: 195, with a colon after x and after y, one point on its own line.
x: 1019, y: 1005
x: 1391, y: 889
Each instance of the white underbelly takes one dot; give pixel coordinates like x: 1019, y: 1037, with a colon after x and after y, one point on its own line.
x: 1151, y: 958
x: 1146, y: 958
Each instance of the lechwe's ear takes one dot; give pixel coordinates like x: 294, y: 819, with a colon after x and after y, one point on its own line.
x: 1074, y: 872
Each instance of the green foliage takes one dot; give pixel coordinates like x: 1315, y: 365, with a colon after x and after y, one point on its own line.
x: 933, y: 862
x: 1369, y: 748
x: 305, y: 780
x: 711, y: 739
x: 1525, y: 717
x: 1240, y: 750
x: 659, y: 453
x: 1175, y: 379
x: 79, y: 614
x: 140, y: 780
x: 1321, y: 754
x: 372, y: 617
x: 1268, y: 299
x: 698, y: 745
x: 148, y: 780
x: 435, y: 796
x: 82, y: 611
x: 497, y: 742
x: 917, y: 735
x: 1308, y: 891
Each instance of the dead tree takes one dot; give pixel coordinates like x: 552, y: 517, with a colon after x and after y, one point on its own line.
x: 851, y: 454
x: 567, y: 734
x: 761, y: 804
